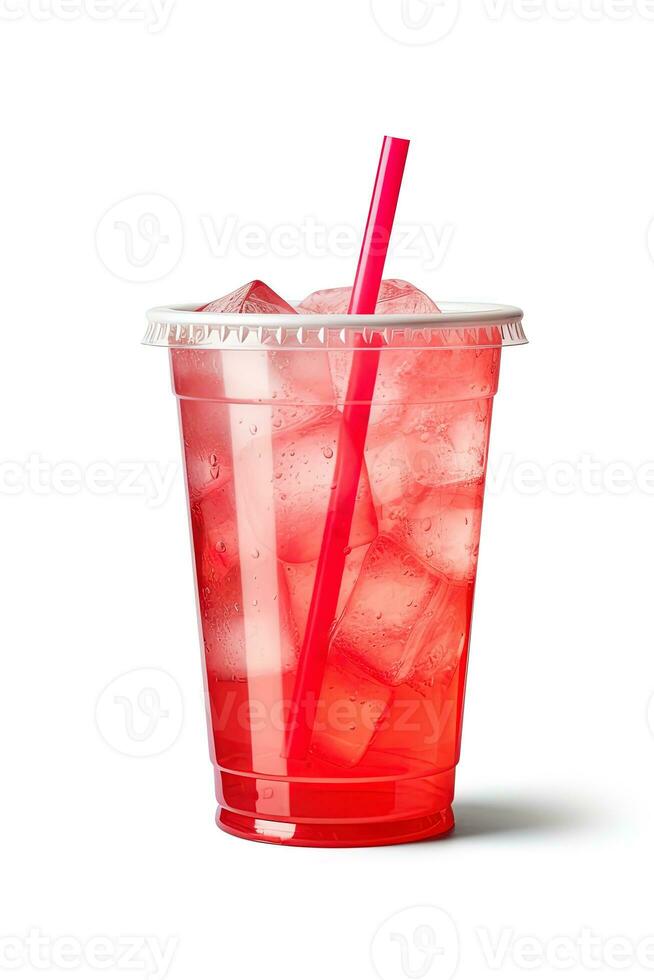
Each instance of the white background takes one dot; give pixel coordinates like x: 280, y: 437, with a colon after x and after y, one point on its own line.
x: 532, y: 162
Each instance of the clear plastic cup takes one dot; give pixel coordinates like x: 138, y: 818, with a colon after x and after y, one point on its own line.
x: 260, y: 401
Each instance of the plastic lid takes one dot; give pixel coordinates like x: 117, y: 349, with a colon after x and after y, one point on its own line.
x: 458, y: 325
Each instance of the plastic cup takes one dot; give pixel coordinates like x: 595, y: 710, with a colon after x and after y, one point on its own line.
x: 260, y: 401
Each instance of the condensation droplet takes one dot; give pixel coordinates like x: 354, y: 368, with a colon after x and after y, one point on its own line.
x: 253, y: 429
x: 327, y: 452
x: 426, y: 524
x: 214, y: 467
x: 347, y: 550
x: 255, y: 553
x: 221, y: 547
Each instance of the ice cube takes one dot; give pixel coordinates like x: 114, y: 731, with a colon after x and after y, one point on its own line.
x: 301, y: 580
x: 388, y: 460
x: 431, y: 446
x: 297, y: 384
x: 382, y: 624
x: 198, y: 373
x: 247, y: 625
x: 299, y: 381
x: 302, y: 476
x: 213, y: 516
x: 445, y: 534
x: 448, y: 373
x: 395, y: 296
x: 253, y: 297
x: 301, y: 387
x: 447, y: 442
x: 395, y: 366
x: 207, y: 444
x: 444, y: 638
x: 409, y: 376
x: 349, y: 709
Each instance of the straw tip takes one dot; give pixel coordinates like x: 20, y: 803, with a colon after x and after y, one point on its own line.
x: 397, y: 140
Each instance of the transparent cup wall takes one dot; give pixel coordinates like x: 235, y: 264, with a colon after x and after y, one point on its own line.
x: 261, y: 418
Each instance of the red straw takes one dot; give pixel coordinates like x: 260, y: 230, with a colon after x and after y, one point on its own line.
x: 351, y: 444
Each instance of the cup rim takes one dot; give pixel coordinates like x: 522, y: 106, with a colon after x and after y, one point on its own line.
x: 454, y: 314
x: 460, y: 325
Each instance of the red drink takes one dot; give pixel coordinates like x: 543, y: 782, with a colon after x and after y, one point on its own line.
x: 261, y: 414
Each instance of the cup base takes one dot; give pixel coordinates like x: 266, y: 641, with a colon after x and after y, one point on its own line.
x: 336, y: 834
x: 337, y: 812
